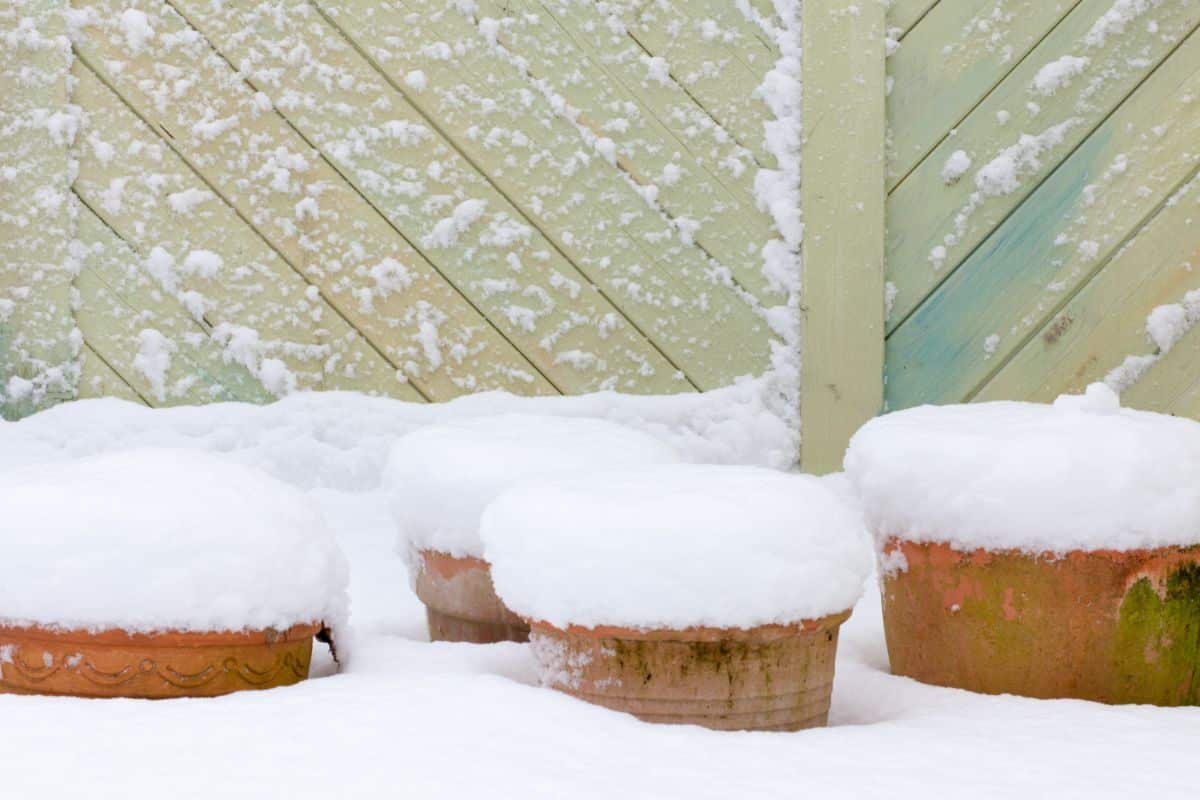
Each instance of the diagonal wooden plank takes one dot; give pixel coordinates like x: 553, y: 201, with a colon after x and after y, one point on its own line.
x: 261, y: 307
x: 1188, y: 404
x: 726, y: 227
x: 722, y: 76
x: 1169, y: 384
x: 950, y: 61
x: 480, y: 102
x: 38, y: 342
x: 147, y: 337
x: 1106, y: 320
x: 170, y: 75
x: 935, y: 220
x: 98, y: 379
x: 649, y: 79
x: 1054, y: 243
x: 433, y: 196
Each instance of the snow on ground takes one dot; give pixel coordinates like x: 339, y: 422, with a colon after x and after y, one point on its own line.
x: 411, y: 719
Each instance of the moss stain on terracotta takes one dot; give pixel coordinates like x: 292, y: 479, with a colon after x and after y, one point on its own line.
x: 1157, y: 641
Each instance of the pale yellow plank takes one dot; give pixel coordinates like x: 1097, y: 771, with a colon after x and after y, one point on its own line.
x: 540, y: 161
x: 841, y: 197
x: 38, y: 351
x: 902, y: 15
x: 935, y: 222
x: 262, y: 307
x: 1106, y: 321
x: 147, y: 336
x: 728, y: 227
x: 97, y: 379
x: 297, y: 201
x: 436, y: 199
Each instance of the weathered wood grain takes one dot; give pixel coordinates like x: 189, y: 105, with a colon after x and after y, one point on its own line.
x: 842, y: 196
x: 925, y: 212
x: 1106, y: 321
x: 1054, y: 243
x: 97, y: 379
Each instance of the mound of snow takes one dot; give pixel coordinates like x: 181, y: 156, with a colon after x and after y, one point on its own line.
x: 152, y: 540
x: 676, y: 546
x: 1082, y: 474
x: 442, y: 477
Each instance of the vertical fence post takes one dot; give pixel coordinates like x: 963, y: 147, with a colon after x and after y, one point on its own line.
x: 842, y: 203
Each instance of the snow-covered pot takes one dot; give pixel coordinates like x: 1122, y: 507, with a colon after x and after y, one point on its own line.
x: 460, y: 602
x: 440, y: 479
x: 683, y: 594
x: 160, y: 573
x: 1047, y: 551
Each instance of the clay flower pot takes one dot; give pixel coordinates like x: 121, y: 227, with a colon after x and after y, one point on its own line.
x: 1115, y: 627
x: 773, y: 677
x: 114, y: 663
x: 460, y: 602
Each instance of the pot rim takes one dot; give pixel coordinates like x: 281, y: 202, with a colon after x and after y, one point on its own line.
x: 893, y: 543
x: 758, y: 633
x: 119, y: 637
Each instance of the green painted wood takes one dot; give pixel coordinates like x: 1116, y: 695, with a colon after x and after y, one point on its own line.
x: 842, y: 198
x: 957, y: 54
x: 1188, y: 405
x: 97, y: 379
x: 149, y: 195
x: 727, y: 227
x: 146, y: 336
x: 720, y: 74
x: 38, y: 346
x: 902, y: 15
x: 434, y: 197
x: 924, y: 212
x: 585, y: 205
x: 274, y: 179
x: 1060, y: 236
x: 1106, y: 320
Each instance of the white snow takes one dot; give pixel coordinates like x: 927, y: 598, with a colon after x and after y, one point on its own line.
x: 956, y: 166
x: 164, y: 540
x: 1167, y: 324
x: 442, y: 477
x: 403, y: 712
x: 1081, y: 474
x: 1058, y: 73
x: 676, y: 546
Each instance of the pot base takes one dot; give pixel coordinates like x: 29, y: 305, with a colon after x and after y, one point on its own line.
x: 114, y: 663
x: 768, y: 678
x: 460, y: 602
x: 1108, y: 626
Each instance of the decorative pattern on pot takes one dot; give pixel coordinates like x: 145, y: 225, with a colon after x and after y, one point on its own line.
x: 441, y: 478
x: 701, y: 595
x: 159, y: 574
x: 1047, y: 551
x: 113, y: 663
x: 460, y: 602
x: 772, y: 677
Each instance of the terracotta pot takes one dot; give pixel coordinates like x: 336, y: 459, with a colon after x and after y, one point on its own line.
x: 1116, y: 627
x: 460, y: 602
x: 114, y: 663
x: 773, y: 677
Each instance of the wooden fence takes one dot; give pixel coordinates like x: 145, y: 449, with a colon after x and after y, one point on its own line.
x: 431, y: 197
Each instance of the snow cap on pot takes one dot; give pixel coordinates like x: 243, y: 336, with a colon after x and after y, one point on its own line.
x: 158, y: 539
x: 677, y: 547
x: 1081, y: 474
x: 440, y: 478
